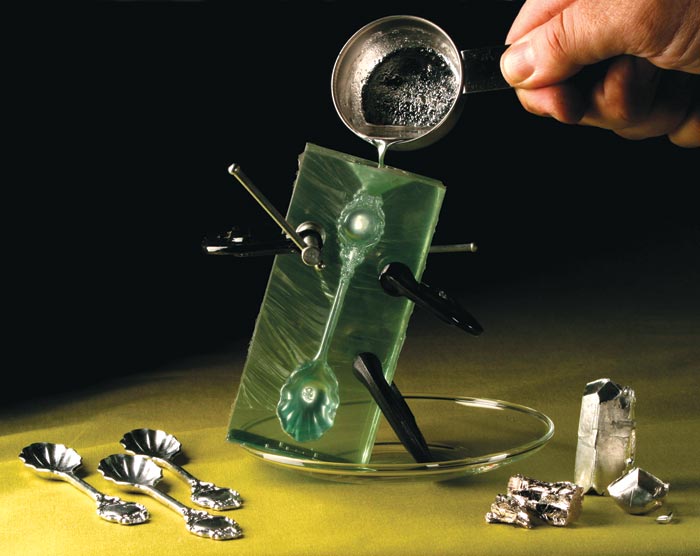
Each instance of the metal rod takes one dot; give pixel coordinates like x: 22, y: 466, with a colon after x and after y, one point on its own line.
x: 454, y: 248
x: 236, y: 172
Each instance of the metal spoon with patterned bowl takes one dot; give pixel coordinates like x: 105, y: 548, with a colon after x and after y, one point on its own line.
x: 56, y: 461
x: 141, y: 473
x: 163, y: 448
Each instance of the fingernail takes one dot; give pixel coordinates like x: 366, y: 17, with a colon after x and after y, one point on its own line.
x: 517, y: 63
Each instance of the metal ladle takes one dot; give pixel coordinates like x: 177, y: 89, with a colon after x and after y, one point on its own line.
x: 399, y: 82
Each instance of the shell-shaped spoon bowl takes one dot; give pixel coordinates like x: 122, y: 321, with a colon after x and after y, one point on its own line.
x: 130, y: 470
x: 309, y: 401
x: 50, y: 459
x: 151, y: 442
x: 57, y: 461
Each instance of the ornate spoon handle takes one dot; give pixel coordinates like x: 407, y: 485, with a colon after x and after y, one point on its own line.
x: 110, y: 508
x: 204, y: 494
x: 198, y: 522
x: 140, y: 472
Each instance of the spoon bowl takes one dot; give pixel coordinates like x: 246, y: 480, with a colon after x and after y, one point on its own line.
x: 151, y: 442
x: 309, y: 401
x: 131, y: 471
x: 57, y: 461
x: 50, y: 459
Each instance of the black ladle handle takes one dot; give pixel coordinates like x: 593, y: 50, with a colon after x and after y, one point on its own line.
x: 397, y: 280
x: 368, y: 369
x: 482, y: 69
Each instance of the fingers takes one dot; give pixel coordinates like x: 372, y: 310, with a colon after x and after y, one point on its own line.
x: 625, y: 44
x: 632, y: 98
x: 562, y: 101
x: 674, y: 112
x: 625, y: 94
x: 554, y: 39
x: 687, y: 134
x: 533, y: 14
x: 580, y: 34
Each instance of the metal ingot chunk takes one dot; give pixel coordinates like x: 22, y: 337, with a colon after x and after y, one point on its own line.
x: 513, y: 510
x: 606, y: 435
x: 530, y: 502
x: 558, y: 503
x: 638, y: 492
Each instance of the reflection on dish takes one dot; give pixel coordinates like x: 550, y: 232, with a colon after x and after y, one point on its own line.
x: 466, y: 435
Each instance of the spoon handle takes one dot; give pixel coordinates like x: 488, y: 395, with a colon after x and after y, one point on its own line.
x: 197, y: 522
x: 203, y: 493
x: 81, y: 485
x: 175, y: 468
x: 164, y: 498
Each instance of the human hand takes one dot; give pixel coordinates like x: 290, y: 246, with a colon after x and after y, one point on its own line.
x: 645, y: 63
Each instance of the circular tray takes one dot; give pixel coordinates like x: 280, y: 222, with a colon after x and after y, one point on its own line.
x: 466, y: 436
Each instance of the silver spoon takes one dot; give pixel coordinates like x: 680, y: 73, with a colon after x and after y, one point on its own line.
x: 162, y: 448
x: 56, y: 461
x: 141, y: 473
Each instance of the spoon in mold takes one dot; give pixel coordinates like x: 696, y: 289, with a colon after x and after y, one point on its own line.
x: 56, y: 461
x: 309, y: 397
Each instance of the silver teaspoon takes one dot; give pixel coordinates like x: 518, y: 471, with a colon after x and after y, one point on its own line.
x: 163, y: 448
x: 56, y: 461
x: 141, y: 473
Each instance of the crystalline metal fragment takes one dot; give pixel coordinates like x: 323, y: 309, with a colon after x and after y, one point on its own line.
x: 530, y: 502
x: 638, y: 492
x: 556, y: 503
x: 666, y: 518
x: 606, y: 435
x: 512, y: 510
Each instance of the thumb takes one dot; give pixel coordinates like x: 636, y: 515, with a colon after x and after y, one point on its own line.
x: 576, y: 36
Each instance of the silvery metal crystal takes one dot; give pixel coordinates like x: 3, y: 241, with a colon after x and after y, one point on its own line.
x: 56, y: 461
x: 606, y: 435
x: 512, y: 510
x: 141, y: 473
x: 638, y: 492
x: 557, y: 503
x: 529, y: 502
x: 665, y: 518
x: 162, y: 448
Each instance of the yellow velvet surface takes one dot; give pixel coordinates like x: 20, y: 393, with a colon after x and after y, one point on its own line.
x: 542, y: 344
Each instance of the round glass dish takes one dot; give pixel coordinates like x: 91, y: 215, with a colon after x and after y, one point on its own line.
x: 466, y: 436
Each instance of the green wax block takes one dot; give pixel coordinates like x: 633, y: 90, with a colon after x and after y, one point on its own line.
x: 371, y: 216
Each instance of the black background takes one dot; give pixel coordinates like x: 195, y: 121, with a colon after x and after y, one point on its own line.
x: 135, y: 111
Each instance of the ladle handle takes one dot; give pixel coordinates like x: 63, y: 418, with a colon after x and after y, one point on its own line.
x: 482, y: 69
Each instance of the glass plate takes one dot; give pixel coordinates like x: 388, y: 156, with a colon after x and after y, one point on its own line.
x: 466, y: 435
